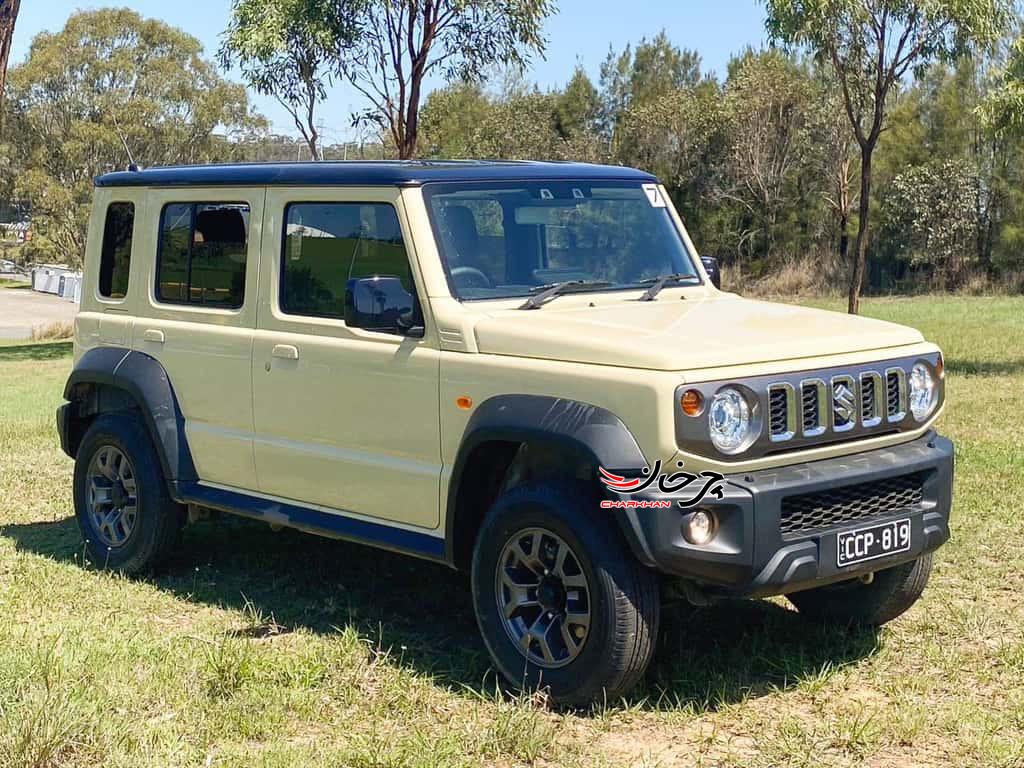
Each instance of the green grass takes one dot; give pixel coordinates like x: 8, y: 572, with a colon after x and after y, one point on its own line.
x: 255, y: 648
x: 14, y: 284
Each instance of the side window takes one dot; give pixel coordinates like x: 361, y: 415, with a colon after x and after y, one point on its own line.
x: 328, y: 244
x: 116, y: 255
x: 203, y: 249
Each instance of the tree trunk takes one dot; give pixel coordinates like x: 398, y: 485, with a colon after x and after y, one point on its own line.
x: 8, y: 17
x: 844, y: 236
x: 861, y: 244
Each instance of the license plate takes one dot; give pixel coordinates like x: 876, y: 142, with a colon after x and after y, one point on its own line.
x: 872, y: 542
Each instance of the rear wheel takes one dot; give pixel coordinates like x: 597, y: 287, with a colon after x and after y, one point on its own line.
x: 887, y: 595
x: 127, y: 518
x: 561, y: 602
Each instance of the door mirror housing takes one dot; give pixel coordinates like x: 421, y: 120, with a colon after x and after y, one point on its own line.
x: 714, y: 271
x: 382, y: 304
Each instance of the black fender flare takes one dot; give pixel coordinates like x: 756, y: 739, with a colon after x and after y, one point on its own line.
x: 146, y: 382
x: 594, y: 431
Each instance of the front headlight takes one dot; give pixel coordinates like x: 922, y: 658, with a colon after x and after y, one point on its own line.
x: 923, y: 391
x: 729, y: 422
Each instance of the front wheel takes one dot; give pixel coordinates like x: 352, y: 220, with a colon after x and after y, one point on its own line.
x: 562, y: 604
x: 887, y: 595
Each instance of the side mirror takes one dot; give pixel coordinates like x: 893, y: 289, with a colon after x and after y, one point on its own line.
x: 382, y: 304
x: 714, y: 271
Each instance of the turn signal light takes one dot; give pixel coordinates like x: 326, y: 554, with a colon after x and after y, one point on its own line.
x: 464, y: 402
x: 692, y: 402
x: 940, y: 367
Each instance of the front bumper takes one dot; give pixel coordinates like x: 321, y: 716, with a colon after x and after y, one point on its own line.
x: 751, y: 556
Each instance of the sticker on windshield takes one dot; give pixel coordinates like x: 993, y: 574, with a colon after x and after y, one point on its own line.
x: 654, y: 195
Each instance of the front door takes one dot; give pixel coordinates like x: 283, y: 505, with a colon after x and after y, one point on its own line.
x: 345, y: 418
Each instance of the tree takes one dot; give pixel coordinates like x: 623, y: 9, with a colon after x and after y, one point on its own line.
x: 767, y: 103
x: 109, y: 89
x: 449, y: 119
x: 399, y: 43
x: 579, y: 107
x: 8, y: 17
x: 929, y: 213
x: 640, y: 77
x: 288, y: 49
x: 871, y: 45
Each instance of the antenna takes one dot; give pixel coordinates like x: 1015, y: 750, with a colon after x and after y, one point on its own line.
x: 132, y: 166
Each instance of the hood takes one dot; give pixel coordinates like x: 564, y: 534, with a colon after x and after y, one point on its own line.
x: 674, y: 335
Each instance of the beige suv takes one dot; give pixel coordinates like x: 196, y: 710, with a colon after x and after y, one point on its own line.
x: 519, y: 369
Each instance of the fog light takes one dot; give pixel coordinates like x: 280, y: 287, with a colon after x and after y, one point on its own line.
x: 699, y: 527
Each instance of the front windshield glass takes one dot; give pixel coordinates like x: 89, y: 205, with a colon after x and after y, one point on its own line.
x: 506, y: 240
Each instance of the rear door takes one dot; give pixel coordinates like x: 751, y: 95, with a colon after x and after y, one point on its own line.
x: 112, y: 287
x: 198, y: 318
x: 345, y: 418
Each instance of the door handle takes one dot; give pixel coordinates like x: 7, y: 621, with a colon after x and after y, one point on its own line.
x: 154, y: 335
x: 285, y: 352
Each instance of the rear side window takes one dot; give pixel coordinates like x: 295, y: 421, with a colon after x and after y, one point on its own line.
x: 328, y: 244
x: 203, y: 249
x: 116, y: 256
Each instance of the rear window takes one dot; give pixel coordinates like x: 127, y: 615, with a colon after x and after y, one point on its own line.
x: 202, y: 257
x: 116, y: 255
x: 328, y: 244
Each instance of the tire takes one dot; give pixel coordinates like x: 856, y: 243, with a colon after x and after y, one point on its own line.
x: 138, y: 540
x: 887, y: 596
x: 601, y: 576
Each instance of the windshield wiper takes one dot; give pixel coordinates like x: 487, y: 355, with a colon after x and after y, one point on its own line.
x: 657, y: 283
x: 542, y: 294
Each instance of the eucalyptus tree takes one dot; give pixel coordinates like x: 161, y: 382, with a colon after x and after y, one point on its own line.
x: 399, y: 44
x: 871, y: 46
x: 289, y: 50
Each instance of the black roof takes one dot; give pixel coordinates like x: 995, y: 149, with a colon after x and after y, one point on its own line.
x: 365, y: 173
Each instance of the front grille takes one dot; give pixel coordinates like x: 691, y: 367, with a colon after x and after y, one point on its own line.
x: 800, y: 515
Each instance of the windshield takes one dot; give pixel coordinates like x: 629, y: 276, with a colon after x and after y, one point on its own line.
x: 505, y: 240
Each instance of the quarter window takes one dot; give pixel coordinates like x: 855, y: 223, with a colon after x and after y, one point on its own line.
x: 203, y: 248
x: 116, y: 255
x: 328, y: 244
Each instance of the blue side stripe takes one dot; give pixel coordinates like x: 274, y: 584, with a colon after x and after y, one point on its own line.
x: 315, y: 521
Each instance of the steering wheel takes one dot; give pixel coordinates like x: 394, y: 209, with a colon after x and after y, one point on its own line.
x: 470, y: 277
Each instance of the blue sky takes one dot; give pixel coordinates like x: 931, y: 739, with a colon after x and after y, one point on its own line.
x: 581, y: 32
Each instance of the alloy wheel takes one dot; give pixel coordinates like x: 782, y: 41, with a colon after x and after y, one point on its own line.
x: 543, y: 597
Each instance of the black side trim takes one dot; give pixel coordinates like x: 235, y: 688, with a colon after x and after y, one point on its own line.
x: 596, y: 432
x: 146, y: 381
x: 312, y: 520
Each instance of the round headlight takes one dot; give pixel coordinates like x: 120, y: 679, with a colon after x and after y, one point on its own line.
x: 729, y: 423
x: 923, y: 392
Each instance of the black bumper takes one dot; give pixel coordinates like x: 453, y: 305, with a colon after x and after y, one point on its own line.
x: 752, y: 556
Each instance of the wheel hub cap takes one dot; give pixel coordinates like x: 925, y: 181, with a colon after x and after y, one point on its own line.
x: 543, y: 597
x: 113, y: 502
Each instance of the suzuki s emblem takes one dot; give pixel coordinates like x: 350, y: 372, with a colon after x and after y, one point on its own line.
x: 842, y: 401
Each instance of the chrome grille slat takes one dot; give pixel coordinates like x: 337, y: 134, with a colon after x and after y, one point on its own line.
x: 782, y: 412
x: 895, y: 394
x: 813, y: 397
x: 871, y: 397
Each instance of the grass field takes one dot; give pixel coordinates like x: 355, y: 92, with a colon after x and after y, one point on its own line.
x: 257, y: 648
